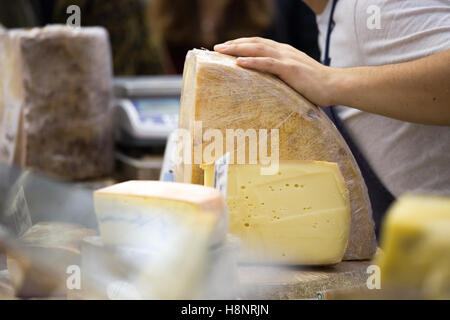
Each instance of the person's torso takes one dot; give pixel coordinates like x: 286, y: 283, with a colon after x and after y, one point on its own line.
x: 404, y: 155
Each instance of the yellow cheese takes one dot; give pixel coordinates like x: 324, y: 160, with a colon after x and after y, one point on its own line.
x: 143, y: 213
x: 416, y: 246
x: 225, y: 97
x: 299, y: 216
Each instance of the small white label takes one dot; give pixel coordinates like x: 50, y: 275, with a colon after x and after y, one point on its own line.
x: 221, y: 174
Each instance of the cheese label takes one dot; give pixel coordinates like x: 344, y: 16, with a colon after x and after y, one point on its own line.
x: 221, y: 174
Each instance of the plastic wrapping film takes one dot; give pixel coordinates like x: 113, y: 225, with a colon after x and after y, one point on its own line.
x: 52, y: 253
x: 58, y: 80
x: 224, y: 96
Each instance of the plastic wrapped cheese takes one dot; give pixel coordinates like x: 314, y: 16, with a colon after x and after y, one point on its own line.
x: 225, y: 96
x: 58, y: 86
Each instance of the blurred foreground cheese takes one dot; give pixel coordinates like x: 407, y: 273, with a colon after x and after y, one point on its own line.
x: 224, y: 96
x: 57, y: 92
x: 299, y: 216
x: 49, y: 250
x: 416, y: 246
x: 146, y: 213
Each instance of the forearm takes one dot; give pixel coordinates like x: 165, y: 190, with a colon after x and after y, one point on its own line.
x: 416, y: 91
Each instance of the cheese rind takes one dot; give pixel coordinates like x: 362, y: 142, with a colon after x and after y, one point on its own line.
x: 300, y: 216
x: 144, y: 213
x: 225, y: 96
x: 416, y: 246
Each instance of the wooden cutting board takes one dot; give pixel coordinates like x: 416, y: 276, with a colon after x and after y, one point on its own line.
x: 280, y: 282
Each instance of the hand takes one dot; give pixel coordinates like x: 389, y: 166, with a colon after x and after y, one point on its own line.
x: 415, y: 91
x: 307, y: 76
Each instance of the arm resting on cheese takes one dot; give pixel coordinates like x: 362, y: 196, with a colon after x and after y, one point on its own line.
x: 415, y: 91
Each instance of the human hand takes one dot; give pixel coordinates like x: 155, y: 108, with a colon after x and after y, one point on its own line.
x: 304, y: 74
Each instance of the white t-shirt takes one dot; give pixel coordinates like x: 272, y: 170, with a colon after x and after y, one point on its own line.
x: 405, y: 156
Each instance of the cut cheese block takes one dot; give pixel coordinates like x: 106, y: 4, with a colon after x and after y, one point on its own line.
x: 58, y: 90
x: 49, y: 249
x: 416, y: 246
x: 148, y: 213
x: 299, y: 216
x: 224, y: 96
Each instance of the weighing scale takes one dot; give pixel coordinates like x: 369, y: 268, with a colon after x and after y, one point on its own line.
x: 146, y: 109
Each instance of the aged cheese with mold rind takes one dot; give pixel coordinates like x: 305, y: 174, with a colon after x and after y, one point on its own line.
x: 58, y: 81
x: 299, y: 216
x: 224, y: 96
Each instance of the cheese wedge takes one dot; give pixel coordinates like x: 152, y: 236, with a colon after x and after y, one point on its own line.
x: 148, y: 213
x: 224, y: 96
x: 416, y: 246
x: 300, y: 216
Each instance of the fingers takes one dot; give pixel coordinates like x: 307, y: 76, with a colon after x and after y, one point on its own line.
x: 253, y: 40
x: 247, y: 50
x: 264, y: 64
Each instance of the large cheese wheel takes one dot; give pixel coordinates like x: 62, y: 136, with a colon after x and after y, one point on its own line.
x: 225, y: 96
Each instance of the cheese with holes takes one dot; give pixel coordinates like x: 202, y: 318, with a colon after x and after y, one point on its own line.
x: 51, y: 249
x: 224, y: 96
x: 58, y: 89
x: 416, y: 246
x: 299, y: 216
x: 148, y: 213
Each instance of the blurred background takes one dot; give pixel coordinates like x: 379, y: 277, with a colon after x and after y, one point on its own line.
x: 151, y: 37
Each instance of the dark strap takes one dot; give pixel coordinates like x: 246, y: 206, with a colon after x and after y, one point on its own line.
x: 380, y: 197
